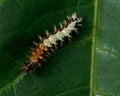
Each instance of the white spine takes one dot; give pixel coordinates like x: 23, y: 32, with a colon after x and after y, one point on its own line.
x: 64, y: 33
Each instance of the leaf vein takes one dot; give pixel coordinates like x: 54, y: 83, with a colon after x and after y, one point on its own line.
x: 71, y: 90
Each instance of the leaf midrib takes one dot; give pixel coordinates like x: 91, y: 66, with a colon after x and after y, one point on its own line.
x: 93, y: 49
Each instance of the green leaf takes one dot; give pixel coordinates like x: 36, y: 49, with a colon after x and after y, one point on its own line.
x: 107, y: 64
x: 87, y: 66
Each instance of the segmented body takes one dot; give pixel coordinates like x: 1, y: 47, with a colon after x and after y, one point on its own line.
x: 46, y: 45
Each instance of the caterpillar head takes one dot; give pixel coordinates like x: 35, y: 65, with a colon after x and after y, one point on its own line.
x: 74, y: 16
x: 27, y: 66
x: 76, y: 19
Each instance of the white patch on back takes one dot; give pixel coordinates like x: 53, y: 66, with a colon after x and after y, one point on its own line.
x: 60, y: 35
x: 52, y: 39
x: 66, y: 32
x: 47, y: 43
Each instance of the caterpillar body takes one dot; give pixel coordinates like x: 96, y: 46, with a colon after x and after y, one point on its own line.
x: 47, y: 44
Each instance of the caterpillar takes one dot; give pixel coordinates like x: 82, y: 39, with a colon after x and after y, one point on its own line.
x: 48, y: 44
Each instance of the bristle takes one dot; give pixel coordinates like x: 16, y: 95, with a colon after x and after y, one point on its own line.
x: 48, y: 53
x: 69, y: 39
x: 44, y: 59
x: 35, y: 43
x: 76, y: 31
x: 32, y: 49
x: 68, y: 17
x: 61, y: 26
x: 40, y: 37
x: 61, y: 43
x: 55, y: 29
x: 69, y: 36
x: 64, y: 22
x: 47, y: 33
x: 56, y: 47
x: 74, y: 14
x: 80, y: 25
x: 39, y: 64
x: 52, y: 49
x: 80, y: 19
x: 33, y: 53
x: 40, y: 57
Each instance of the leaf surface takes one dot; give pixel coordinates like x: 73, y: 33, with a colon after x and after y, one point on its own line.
x: 107, y: 73
x: 88, y: 65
